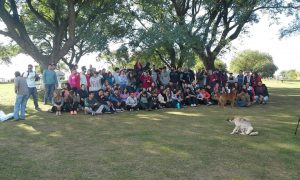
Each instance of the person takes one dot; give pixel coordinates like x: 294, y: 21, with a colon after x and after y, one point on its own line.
x: 146, y: 80
x: 243, y: 99
x: 248, y: 79
x: 117, y: 101
x: 132, y: 102
x: 154, y: 100
x: 177, y: 99
x: 240, y: 78
x: 164, y: 76
x: 95, y: 81
x: 231, y: 80
x: 189, y: 97
x: 74, y: 80
x: 261, y: 93
x: 59, y: 74
x: 83, y: 93
x: 22, y: 93
x: 31, y: 78
x: 90, y: 104
x: 57, y: 102
x: 203, y: 96
x: 145, y: 100
x: 5, y: 117
x: 122, y: 79
x: 50, y: 82
x: 83, y: 79
x: 165, y: 98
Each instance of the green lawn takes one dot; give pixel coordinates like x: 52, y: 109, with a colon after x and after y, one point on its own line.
x: 191, y: 143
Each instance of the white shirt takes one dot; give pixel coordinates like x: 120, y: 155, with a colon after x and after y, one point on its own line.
x: 95, y: 83
x: 83, y: 79
x: 30, y: 78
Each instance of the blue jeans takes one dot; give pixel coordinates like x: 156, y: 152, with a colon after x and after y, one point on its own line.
x: 33, y: 93
x: 240, y: 103
x: 49, y: 89
x: 20, y: 105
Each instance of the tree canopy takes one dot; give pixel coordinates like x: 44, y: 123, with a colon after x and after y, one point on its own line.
x: 256, y: 61
x: 171, y: 31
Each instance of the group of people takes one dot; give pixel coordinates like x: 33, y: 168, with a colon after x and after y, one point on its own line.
x: 140, y: 88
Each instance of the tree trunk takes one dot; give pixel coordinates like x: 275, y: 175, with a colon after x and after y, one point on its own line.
x: 209, y: 62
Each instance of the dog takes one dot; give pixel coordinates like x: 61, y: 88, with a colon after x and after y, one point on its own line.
x: 224, y: 98
x: 242, y: 126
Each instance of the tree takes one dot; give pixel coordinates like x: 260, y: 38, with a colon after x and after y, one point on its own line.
x: 7, y: 52
x: 50, y: 30
x: 289, y: 74
x: 207, y: 27
x: 219, y: 64
x: 249, y: 60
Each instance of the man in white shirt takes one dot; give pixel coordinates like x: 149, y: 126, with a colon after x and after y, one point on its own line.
x: 31, y: 78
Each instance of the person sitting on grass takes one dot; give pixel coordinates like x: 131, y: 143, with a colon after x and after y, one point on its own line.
x: 261, y: 93
x: 203, y: 96
x: 132, y: 102
x: 243, y: 99
x: 83, y: 94
x: 165, y: 98
x: 124, y: 94
x: 117, y: 101
x: 103, y: 102
x: 90, y: 104
x: 57, y: 102
x: 145, y: 100
x: 112, y: 109
x: 177, y: 99
x: 189, y: 97
x: 154, y: 100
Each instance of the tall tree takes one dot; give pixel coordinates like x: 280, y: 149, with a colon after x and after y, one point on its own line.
x: 249, y: 60
x: 48, y: 30
x: 205, y: 26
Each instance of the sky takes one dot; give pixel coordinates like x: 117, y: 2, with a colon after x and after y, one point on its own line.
x: 261, y: 37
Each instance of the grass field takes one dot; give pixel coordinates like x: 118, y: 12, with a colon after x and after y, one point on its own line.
x: 190, y: 143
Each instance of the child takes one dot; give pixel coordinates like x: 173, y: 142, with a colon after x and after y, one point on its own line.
x: 131, y: 102
x: 124, y: 95
x: 116, y: 100
x: 57, y: 102
x: 90, y: 104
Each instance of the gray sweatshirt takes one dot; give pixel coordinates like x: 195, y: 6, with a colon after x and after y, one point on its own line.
x: 21, y: 87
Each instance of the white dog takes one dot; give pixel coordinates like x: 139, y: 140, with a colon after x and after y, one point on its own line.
x: 242, y: 126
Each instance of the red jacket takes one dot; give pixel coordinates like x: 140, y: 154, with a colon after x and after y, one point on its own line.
x: 146, y: 81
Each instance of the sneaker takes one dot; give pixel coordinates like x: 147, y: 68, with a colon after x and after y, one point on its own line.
x: 38, y: 109
x: 71, y: 112
x: 56, y: 113
x: 59, y: 113
x: 75, y: 112
x: 93, y: 113
x: 131, y: 110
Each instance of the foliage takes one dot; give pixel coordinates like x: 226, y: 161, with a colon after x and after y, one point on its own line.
x: 176, y: 28
x: 219, y: 64
x: 50, y: 30
x: 291, y: 74
x: 250, y: 60
x: 7, y: 52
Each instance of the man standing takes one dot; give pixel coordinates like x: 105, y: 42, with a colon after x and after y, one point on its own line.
x: 31, y: 77
x: 50, y: 82
x: 83, y: 79
x: 21, y: 90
